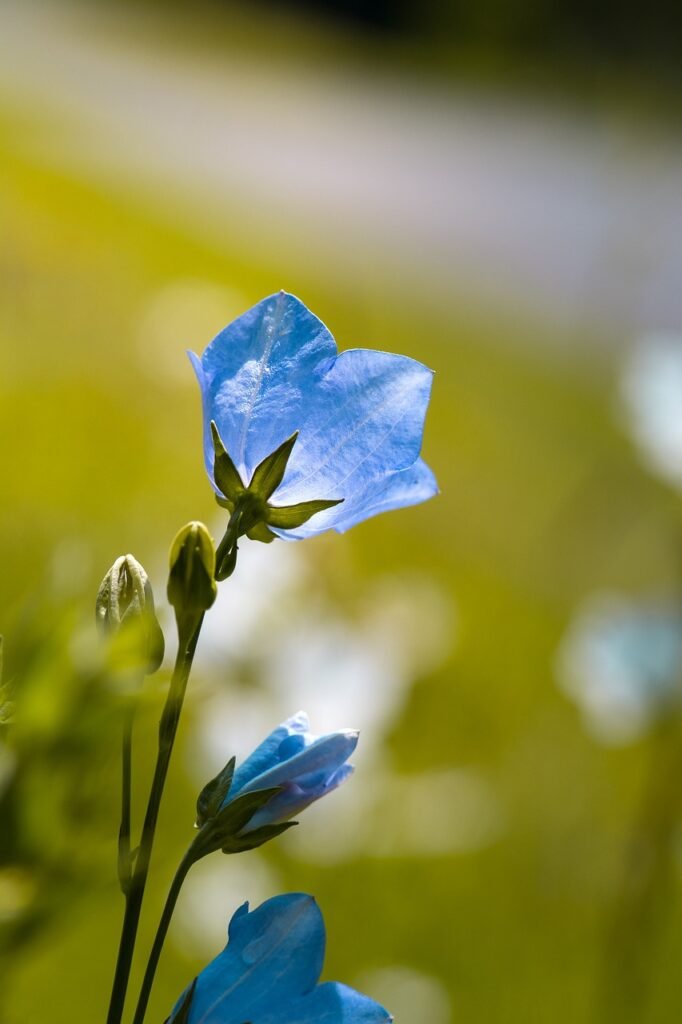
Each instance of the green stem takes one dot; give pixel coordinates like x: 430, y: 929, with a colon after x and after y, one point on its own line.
x: 188, y: 636
x: 124, y: 862
x: 226, y: 552
x: 159, y: 939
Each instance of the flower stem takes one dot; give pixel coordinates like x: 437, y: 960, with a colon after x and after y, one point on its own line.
x: 226, y: 552
x: 124, y: 861
x: 160, y: 937
x: 188, y: 635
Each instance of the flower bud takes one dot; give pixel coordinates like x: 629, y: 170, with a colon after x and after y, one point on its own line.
x: 125, y: 600
x: 244, y: 808
x: 191, y: 582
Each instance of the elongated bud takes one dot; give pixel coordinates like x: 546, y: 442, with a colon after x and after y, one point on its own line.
x: 126, y: 600
x: 191, y: 582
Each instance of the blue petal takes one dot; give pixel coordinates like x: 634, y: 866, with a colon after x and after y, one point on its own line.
x: 274, y: 955
x: 326, y: 755
x: 266, y: 755
x: 364, y: 417
x: 292, y: 745
x: 383, y: 493
x: 256, y: 375
x: 330, y: 1003
x: 294, y: 798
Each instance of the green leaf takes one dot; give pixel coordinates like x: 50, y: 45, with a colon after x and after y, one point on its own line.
x: 290, y: 516
x: 254, y: 839
x: 269, y: 473
x: 261, y: 532
x: 225, y: 472
x: 213, y: 794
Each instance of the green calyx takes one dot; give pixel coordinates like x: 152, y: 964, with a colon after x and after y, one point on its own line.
x: 251, y: 513
x: 226, y: 827
x: 214, y: 794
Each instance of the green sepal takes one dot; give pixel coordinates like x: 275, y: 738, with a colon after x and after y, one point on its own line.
x: 229, y: 821
x: 213, y: 795
x: 226, y: 562
x: 252, y: 840
x: 250, y: 513
x: 182, y: 1016
x: 261, y: 532
x: 269, y: 473
x: 225, y: 472
x: 191, y: 584
x: 288, y: 517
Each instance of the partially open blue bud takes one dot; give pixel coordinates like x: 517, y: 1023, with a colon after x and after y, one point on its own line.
x: 268, y: 973
x: 348, y: 428
x: 303, y: 766
x: 239, y: 810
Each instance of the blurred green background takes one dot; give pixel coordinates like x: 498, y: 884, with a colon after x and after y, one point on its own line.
x: 493, y: 190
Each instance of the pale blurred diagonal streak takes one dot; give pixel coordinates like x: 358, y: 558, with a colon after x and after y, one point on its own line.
x: 571, y: 214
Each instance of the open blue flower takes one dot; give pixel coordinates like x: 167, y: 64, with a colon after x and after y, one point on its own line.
x: 359, y: 419
x: 306, y: 767
x: 268, y: 973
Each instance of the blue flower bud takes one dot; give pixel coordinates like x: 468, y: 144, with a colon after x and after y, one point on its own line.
x: 240, y: 810
x: 269, y: 971
x: 303, y: 767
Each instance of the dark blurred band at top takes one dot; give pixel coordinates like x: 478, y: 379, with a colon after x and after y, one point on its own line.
x: 644, y: 37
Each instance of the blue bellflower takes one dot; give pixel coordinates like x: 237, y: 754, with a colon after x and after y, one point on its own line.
x: 268, y: 973
x: 359, y: 418
x: 306, y: 767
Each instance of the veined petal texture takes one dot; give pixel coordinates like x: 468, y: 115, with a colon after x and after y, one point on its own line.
x: 256, y: 376
x: 274, y: 953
